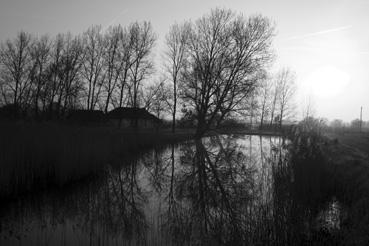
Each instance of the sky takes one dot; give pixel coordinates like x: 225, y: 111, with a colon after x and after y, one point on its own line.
x: 326, y: 42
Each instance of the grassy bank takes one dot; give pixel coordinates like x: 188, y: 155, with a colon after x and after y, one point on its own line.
x: 348, y: 155
x: 43, y: 154
x: 344, y: 160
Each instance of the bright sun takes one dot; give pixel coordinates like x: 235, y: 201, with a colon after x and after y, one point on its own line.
x: 327, y: 82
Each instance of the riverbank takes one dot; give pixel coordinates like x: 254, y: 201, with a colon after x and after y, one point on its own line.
x: 241, y: 131
x: 349, y: 162
x: 38, y: 155
x: 34, y: 156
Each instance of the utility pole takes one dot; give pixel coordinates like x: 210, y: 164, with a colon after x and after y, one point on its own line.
x: 361, y: 117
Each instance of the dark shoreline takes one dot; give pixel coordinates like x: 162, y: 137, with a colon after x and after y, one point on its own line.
x: 38, y: 155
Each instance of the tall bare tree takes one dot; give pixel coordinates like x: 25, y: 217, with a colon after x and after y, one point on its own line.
x: 253, y: 107
x: 156, y: 97
x: 143, y: 39
x: 54, y: 76
x: 287, y: 88
x: 40, y: 55
x: 15, y: 67
x: 176, y: 55
x: 92, y: 69
x: 126, y: 47
x: 274, y: 99
x: 226, y: 55
x: 308, y: 107
x: 70, y: 63
x: 113, y: 62
x: 264, y: 95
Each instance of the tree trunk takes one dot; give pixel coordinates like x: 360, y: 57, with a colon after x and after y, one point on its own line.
x: 201, y: 128
x: 174, y: 105
x: 262, y: 118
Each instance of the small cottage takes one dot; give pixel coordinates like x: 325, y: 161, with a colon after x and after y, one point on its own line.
x: 133, y: 117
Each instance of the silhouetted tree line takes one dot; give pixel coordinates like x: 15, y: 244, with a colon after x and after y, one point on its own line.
x: 95, y: 70
x: 214, y: 68
x: 355, y: 125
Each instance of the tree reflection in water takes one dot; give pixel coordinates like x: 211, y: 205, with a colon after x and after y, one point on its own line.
x: 222, y: 190
x: 222, y: 193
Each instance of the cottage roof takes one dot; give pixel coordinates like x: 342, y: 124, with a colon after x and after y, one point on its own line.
x: 131, y: 113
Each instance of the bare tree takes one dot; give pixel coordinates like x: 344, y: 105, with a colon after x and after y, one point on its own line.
x: 308, y: 110
x: 287, y: 88
x: 15, y: 67
x: 113, y: 62
x: 69, y: 73
x: 143, y: 39
x: 253, y: 106
x: 54, y: 76
x: 156, y: 98
x: 265, y: 91
x: 226, y: 55
x: 40, y: 55
x: 92, y: 69
x: 126, y: 47
x: 176, y: 55
x: 273, y: 103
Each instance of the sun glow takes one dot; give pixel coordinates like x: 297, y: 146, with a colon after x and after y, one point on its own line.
x: 327, y: 82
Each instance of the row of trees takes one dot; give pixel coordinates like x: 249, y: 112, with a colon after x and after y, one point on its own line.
x: 355, y: 124
x: 214, y: 67
x: 95, y: 70
x: 275, y: 98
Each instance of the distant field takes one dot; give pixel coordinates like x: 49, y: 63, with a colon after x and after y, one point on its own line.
x: 359, y: 141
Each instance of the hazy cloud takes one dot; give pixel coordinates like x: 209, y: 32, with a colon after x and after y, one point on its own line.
x: 338, y: 29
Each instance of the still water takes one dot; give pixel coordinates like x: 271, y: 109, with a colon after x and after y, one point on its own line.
x: 223, y: 190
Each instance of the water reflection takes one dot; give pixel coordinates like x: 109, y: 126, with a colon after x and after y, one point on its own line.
x: 223, y: 190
